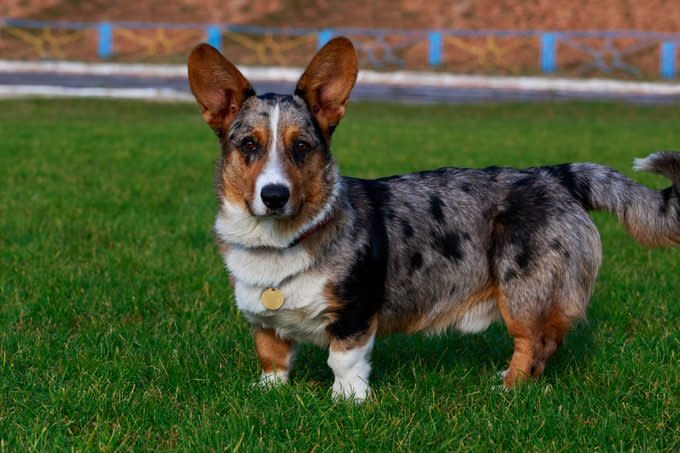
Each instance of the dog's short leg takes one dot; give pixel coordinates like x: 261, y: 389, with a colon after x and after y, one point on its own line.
x: 553, y: 328
x: 350, y: 362
x: 536, y: 339
x: 275, y: 354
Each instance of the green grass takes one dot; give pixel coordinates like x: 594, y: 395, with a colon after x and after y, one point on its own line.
x: 118, y: 329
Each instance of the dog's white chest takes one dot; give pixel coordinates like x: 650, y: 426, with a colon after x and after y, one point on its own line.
x: 302, y: 316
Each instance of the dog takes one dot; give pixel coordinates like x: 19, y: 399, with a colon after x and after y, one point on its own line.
x: 318, y: 258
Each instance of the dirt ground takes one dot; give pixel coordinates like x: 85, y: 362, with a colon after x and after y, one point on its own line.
x: 651, y: 15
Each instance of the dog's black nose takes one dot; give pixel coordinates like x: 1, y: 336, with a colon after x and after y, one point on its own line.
x: 275, y: 196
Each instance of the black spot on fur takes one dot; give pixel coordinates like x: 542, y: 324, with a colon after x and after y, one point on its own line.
x: 449, y: 245
x: 465, y: 187
x: 416, y: 261
x: 238, y: 124
x: 522, y: 259
x: 578, y: 187
x: 433, y: 173
x: 492, y: 172
x: 524, y: 213
x: 559, y: 247
x: 509, y: 275
x: 436, y: 205
x: 362, y: 292
x: 666, y: 196
x: 288, y: 99
x: 407, y: 228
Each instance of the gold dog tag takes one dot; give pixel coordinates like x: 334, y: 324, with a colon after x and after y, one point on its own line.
x: 272, y: 299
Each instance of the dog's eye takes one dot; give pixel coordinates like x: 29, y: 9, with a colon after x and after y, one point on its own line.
x: 249, y: 145
x: 301, y: 147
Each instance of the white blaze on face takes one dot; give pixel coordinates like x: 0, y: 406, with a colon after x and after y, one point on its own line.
x: 273, y: 172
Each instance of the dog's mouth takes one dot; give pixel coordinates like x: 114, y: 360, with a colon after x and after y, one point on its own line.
x: 284, y: 213
x: 276, y: 214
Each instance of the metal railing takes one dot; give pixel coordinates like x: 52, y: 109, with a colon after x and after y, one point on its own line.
x: 580, y: 53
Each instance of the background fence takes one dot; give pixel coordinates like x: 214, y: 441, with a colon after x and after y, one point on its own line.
x: 627, y: 54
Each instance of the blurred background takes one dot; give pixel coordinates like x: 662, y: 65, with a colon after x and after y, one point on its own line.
x: 610, y: 39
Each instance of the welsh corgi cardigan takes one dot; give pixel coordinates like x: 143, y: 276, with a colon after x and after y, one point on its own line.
x: 319, y: 258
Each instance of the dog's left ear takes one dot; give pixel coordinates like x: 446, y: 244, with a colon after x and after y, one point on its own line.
x: 327, y: 82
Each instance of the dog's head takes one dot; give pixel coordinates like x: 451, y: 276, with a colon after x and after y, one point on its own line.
x: 276, y: 161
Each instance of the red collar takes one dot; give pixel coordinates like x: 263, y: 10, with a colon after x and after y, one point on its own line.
x: 309, y: 233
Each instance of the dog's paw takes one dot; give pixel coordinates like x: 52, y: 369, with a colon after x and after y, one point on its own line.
x: 351, y: 389
x: 500, y: 375
x: 272, y: 379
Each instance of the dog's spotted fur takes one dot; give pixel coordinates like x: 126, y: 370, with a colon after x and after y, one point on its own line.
x: 423, y: 252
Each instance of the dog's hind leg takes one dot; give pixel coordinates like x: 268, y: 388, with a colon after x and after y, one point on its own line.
x: 527, y: 343
x: 536, y: 338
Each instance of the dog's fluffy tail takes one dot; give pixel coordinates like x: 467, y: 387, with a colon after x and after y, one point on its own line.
x: 651, y: 216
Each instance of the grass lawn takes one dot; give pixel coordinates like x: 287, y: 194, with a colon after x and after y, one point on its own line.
x: 118, y: 329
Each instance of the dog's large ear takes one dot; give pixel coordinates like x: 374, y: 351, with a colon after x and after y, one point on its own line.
x: 219, y: 88
x: 327, y: 82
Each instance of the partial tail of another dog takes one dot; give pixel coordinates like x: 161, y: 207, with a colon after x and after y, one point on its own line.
x: 651, y: 216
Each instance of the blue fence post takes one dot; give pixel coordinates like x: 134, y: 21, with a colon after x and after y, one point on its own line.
x: 434, y: 56
x: 548, y: 53
x: 105, y: 46
x: 213, y: 35
x: 325, y: 35
x: 667, y: 62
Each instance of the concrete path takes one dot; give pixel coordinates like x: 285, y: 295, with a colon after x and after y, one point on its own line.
x: 168, y: 82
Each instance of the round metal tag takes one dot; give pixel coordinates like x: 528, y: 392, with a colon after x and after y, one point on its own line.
x: 272, y: 299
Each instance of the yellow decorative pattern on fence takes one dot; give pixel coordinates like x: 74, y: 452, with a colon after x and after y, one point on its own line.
x: 490, y: 55
x: 158, y: 42
x: 267, y: 49
x: 46, y: 42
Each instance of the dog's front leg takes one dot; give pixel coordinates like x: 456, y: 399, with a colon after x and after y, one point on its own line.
x: 276, y: 356
x: 350, y: 361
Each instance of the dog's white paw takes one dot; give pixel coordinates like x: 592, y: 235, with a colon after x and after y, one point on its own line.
x: 500, y: 387
x: 272, y: 379
x: 351, y: 389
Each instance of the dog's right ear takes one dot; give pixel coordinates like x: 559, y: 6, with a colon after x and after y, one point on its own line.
x: 219, y: 88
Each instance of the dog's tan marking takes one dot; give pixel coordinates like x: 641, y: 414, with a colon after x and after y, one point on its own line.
x: 554, y: 328
x: 333, y: 304
x: 273, y: 352
x: 238, y: 178
x: 536, y: 340
x: 309, y: 192
x: 449, y: 314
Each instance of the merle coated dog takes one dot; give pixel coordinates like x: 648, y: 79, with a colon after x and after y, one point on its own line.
x: 320, y: 258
